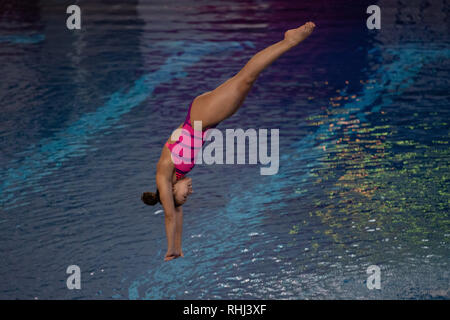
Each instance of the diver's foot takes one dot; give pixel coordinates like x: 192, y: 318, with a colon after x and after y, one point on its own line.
x: 295, y: 36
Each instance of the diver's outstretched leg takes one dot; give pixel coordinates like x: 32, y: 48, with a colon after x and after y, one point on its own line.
x: 219, y: 104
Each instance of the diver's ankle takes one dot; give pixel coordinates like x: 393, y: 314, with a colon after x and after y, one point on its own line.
x: 289, y: 44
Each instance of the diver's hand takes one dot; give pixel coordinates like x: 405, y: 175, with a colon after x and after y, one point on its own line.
x: 173, y: 255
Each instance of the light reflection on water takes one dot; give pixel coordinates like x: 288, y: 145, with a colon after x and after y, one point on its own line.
x: 363, y: 171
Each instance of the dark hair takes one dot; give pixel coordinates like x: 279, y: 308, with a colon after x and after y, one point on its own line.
x: 151, y: 198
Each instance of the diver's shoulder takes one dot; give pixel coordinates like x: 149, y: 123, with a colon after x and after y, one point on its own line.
x: 165, y: 164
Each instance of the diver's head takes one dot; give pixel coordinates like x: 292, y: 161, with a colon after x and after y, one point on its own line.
x: 181, y: 190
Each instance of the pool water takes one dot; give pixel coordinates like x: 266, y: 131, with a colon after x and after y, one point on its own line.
x: 364, y: 157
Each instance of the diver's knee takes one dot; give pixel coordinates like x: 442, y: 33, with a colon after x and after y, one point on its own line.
x: 245, y: 82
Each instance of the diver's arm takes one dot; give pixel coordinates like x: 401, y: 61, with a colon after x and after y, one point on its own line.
x: 178, y: 230
x: 166, y: 196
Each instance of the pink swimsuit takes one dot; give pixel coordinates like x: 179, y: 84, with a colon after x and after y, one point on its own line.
x: 185, y: 149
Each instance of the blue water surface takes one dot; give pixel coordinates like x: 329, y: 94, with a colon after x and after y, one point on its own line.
x: 364, y: 171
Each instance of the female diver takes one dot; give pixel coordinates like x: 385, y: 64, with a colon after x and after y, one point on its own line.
x: 212, y: 107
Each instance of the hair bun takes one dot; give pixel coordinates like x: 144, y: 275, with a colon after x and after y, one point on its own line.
x: 150, y: 198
